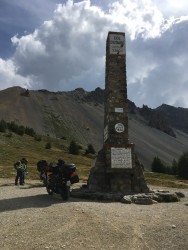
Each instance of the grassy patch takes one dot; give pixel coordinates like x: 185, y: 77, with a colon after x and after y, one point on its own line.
x: 14, y: 148
x: 165, y: 180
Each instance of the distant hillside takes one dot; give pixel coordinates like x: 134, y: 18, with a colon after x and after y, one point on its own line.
x: 176, y: 117
x: 78, y: 114
x: 60, y: 114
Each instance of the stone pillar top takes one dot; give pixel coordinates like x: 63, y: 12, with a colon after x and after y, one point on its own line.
x: 116, y: 108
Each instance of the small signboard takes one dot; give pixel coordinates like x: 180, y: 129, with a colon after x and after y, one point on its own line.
x: 121, y: 158
x: 119, y: 110
x: 117, y: 44
x: 119, y: 128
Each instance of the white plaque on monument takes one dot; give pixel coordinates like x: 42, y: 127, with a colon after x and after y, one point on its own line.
x: 119, y: 128
x: 119, y: 110
x: 117, y: 44
x: 121, y: 158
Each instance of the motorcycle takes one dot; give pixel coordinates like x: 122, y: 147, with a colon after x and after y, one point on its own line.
x: 60, y: 179
x: 42, y: 167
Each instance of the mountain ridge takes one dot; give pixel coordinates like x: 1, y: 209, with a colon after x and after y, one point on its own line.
x: 78, y: 114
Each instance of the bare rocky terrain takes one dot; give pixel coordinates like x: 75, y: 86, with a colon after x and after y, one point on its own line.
x: 79, y: 114
x: 31, y: 219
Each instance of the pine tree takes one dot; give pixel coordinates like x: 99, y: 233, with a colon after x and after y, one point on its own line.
x: 157, y: 166
x: 90, y: 149
x: 174, y: 167
x: 183, y: 166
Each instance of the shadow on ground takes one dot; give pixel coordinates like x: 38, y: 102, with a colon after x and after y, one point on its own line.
x: 35, y: 201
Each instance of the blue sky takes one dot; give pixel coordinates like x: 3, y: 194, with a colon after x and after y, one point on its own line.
x: 60, y: 45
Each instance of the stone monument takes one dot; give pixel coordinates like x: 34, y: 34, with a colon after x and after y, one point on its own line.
x: 114, y: 169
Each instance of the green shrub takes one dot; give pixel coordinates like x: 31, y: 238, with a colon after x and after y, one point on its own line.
x: 38, y: 138
x: 90, y: 149
x: 183, y: 166
x: 63, y: 138
x: 29, y: 131
x: 3, y: 126
x: 20, y: 130
x: 8, y: 135
x: 48, y: 145
x: 73, y: 148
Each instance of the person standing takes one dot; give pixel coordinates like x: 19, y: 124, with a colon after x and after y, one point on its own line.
x: 21, y: 168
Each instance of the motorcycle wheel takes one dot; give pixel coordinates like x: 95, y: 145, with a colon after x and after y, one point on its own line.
x: 49, y: 190
x: 44, y: 182
x: 65, y: 192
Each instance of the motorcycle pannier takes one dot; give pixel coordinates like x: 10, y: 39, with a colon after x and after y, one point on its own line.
x: 68, y: 169
x: 74, y: 178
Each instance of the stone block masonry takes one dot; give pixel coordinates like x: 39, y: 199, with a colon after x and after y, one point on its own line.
x: 114, y: 169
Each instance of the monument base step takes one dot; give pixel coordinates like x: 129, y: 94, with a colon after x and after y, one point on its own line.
x: 150, y: 198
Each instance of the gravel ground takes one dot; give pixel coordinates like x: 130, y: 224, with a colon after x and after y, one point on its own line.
x: 31, y: 219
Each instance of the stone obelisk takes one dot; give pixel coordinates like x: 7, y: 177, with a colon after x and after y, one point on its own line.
x: 114, y: 169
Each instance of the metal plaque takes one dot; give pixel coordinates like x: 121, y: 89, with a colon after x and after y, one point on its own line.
x: 119, y: 128
x: 121, y: 158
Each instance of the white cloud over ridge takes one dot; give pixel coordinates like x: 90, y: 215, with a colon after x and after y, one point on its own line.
x: 68, y: 51
x: 64, y: 47
x: 162, y: 67
x: 8, y: 75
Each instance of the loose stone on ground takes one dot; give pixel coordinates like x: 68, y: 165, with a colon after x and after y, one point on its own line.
x: 153, y: 197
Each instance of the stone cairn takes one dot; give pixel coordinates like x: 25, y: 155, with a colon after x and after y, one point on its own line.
x: 114, y: 173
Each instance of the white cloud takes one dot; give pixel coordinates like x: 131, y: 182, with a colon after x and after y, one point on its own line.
x: 141, y: 17
x: 171, y: 8
x: 9, y: 77
x: 73, y: 42
x: 63, y: 48
x: 68, y: 51
x: 164, y: 60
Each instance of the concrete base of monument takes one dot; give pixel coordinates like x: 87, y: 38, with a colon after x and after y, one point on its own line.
x: 115, y: 181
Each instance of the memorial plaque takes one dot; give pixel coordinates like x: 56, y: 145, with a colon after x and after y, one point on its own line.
x: 121, y: 158
x: 117, y: 44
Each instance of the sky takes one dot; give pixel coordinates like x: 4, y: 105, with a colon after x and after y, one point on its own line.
x: 60, y: 45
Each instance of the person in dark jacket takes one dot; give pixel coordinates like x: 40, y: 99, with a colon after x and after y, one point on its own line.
x: 21, y: 169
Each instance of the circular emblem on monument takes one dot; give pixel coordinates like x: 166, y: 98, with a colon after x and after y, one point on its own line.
x: 119, y: 128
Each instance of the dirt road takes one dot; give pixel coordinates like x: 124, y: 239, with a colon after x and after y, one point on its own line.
x: 31, y: 219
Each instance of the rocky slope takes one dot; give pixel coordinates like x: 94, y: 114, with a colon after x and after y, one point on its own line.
x: 78, y: 115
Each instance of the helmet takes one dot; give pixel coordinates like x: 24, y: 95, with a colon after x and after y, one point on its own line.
x: 24, y: 160
x: 60, y: 162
